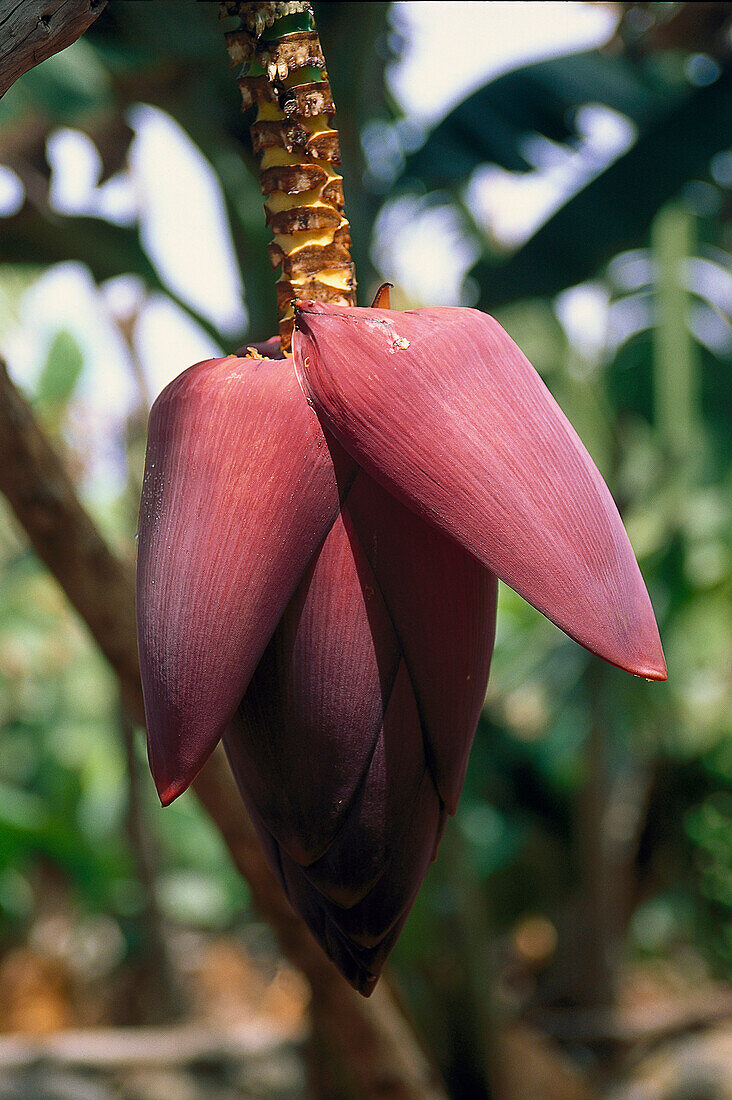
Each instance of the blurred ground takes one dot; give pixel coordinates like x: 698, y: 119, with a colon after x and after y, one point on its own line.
x: 243, y: 1033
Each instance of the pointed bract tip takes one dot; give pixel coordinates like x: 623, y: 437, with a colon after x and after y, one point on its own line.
x: 168, y: 793
x: 650, y: 666
x: 654, y: 670
x: 367, y: 984
x: 173, y: 771
x: 382, y: 298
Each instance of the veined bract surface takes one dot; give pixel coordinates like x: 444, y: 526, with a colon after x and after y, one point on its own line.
x: 317, y: 585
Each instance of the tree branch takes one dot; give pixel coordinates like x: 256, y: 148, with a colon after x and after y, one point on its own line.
x: 374, y: 1041
x: 32, y: 30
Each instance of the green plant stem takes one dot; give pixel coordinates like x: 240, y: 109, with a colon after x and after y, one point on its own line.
x: 675, y: 355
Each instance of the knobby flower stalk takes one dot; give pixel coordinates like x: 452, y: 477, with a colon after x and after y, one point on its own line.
x: 321, y: 535
x: 284, y: 78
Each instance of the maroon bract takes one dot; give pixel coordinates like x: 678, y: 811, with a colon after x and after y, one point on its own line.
x: 355, y: 731
x: 443, y: 409
x: 238, y: 493
x: 318, y: 586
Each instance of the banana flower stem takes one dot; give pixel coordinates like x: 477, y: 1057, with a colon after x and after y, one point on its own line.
x: 283, y: 77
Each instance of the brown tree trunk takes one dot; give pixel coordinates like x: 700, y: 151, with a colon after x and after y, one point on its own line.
x: 32, y: 30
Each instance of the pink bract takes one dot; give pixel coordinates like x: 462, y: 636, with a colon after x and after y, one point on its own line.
x: 317, y: 585
x: 442, y: 408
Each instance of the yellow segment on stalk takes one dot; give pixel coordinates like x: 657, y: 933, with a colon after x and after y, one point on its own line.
x: 319, y: 124
x: 337, y: 277
x: 275, y: 156
x: 279, y: 201
x: 268, y: 112
x: 304, y: 238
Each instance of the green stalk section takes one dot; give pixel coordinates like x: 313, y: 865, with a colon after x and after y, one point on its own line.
x: 284, y: 78
x: 675, y: 355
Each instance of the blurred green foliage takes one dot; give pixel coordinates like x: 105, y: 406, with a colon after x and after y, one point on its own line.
x: 63, y: 776
x: 596, y: 803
